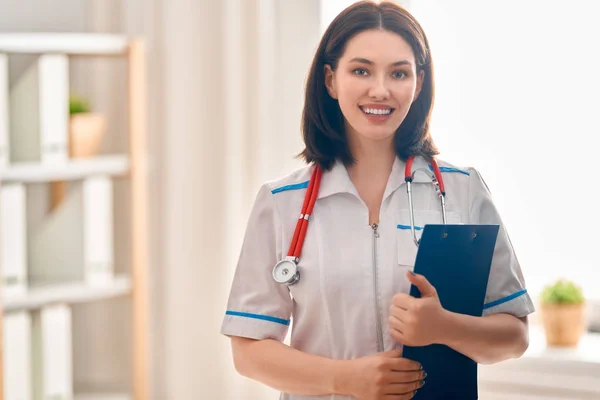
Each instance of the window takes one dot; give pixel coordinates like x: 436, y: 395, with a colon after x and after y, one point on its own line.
x: 518, y: 97
x: 330, y: 9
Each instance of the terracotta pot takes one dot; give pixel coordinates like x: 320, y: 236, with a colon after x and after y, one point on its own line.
x: 563, y: 323
x: 86, y: 132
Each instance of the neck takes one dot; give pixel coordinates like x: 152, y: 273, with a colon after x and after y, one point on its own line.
x: 374, y: 159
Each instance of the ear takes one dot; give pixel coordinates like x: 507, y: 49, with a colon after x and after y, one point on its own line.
x: 330, y: 81
x: 420, y: 79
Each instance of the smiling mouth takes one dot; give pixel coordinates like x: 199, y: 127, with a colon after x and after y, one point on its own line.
x: 377, y: 112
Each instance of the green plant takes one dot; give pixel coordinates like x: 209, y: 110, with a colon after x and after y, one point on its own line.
x: 563, y: 292
x: 78, y: 105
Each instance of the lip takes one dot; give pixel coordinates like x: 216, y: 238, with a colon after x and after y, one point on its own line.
x: 376, y: 106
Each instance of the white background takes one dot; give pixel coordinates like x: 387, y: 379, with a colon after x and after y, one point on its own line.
x: 517, y: 96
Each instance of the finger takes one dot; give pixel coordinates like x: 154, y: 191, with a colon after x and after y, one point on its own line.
x: 406, y: 396
x: 397, y: 377
x: 398, y: 313
x: 397, y: 335
x: 405, y: 364
x: 422, y: 284
x: 402, y: 300
x: 404, y: 388
x: 396, y: 321
x: 396, y: 353
x: 396, y: 324
x: 399, y: 396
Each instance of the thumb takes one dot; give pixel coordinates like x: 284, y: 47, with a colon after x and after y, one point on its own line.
x: 392, y: 353
x: 426, y: 288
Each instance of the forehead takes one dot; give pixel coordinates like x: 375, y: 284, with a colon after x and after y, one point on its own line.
x: 379, y: 46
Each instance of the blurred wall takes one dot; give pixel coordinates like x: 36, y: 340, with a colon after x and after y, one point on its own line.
x: 225, y: 92
x: 42, y: 16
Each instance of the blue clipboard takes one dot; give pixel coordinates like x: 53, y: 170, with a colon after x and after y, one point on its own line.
x: 456, y: 259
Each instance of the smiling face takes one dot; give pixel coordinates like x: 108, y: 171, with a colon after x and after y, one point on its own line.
x: 375, y: 83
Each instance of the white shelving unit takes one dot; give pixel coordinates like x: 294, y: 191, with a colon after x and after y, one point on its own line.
x: 65, y: 43
x: 129, y: 167
x: 69, y: 292
x: 32, y: 172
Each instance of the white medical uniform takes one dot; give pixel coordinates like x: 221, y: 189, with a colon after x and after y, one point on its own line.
x: 339, y: 309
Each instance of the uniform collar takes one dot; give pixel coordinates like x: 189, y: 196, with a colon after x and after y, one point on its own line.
x: 337, y: 179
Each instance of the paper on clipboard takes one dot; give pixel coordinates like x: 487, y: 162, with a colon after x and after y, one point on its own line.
x: 456, y: 260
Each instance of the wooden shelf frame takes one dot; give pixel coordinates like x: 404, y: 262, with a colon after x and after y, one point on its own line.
x: 135, y: 168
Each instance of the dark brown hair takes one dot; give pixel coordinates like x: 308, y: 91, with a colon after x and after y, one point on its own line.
x: 322, y: 120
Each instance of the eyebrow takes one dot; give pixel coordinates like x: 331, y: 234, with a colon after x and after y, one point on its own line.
x: 369, y: 62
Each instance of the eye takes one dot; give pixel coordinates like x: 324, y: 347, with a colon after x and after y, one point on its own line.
x: 360, y: 72
x: 399, y: 74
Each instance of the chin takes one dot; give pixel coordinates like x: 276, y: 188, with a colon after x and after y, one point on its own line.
x: 377, y: 133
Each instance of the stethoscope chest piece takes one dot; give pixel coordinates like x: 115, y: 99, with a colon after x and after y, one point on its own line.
x: 286, y: 272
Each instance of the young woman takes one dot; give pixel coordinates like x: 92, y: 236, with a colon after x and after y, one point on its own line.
x: 369, y: 98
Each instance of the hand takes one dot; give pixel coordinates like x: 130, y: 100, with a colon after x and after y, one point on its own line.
x: 381, y: 376
x: 417, y: 321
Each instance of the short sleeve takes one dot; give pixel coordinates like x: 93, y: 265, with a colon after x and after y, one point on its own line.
x: 506, y: 291
x: 258, y: 307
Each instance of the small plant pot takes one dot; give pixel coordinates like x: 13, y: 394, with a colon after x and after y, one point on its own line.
x: 563, y: 323
x: 86, y: 132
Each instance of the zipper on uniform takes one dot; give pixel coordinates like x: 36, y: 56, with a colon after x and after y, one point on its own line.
x: 375, y: 228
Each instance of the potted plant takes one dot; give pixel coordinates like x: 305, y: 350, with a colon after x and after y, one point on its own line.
x: 86, y: 129
x: 563, y: 309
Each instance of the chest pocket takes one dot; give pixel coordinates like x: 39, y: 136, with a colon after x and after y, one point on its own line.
x: 407, y: 249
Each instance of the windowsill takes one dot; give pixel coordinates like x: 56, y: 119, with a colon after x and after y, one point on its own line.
x: 587, y: 351
x: 547, y: 372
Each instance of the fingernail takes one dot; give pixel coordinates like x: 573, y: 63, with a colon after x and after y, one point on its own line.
x: 412, y: 273
x: 421, y: 367
x: 424, y: 375
x: 422, y: 384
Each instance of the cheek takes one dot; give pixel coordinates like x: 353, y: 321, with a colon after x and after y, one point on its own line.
x: 405, y: 93
x: 351, y: 87
x: 349, y: 95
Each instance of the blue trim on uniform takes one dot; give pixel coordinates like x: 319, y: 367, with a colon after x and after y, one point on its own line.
x: 258, y: 316
x: 302, y: 185
x: 450, y: 169
x: 418, y: 228
x: 504, y: 299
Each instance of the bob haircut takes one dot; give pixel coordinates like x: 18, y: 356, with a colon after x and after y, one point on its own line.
x: 322, y: 119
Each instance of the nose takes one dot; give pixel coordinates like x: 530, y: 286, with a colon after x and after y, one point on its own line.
x: 379, y: 90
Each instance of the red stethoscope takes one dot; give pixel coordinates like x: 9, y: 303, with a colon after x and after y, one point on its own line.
x: 286, y: 271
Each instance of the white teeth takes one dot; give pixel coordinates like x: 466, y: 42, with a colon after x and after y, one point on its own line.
x: 377, y: 111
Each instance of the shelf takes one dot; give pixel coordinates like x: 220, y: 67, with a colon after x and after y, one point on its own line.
x: 70, y: 292
x: 70, y: 170
x: 102, y: 396
x: 65, y: 43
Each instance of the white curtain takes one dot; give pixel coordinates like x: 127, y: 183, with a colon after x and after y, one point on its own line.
x: 227, y: 88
